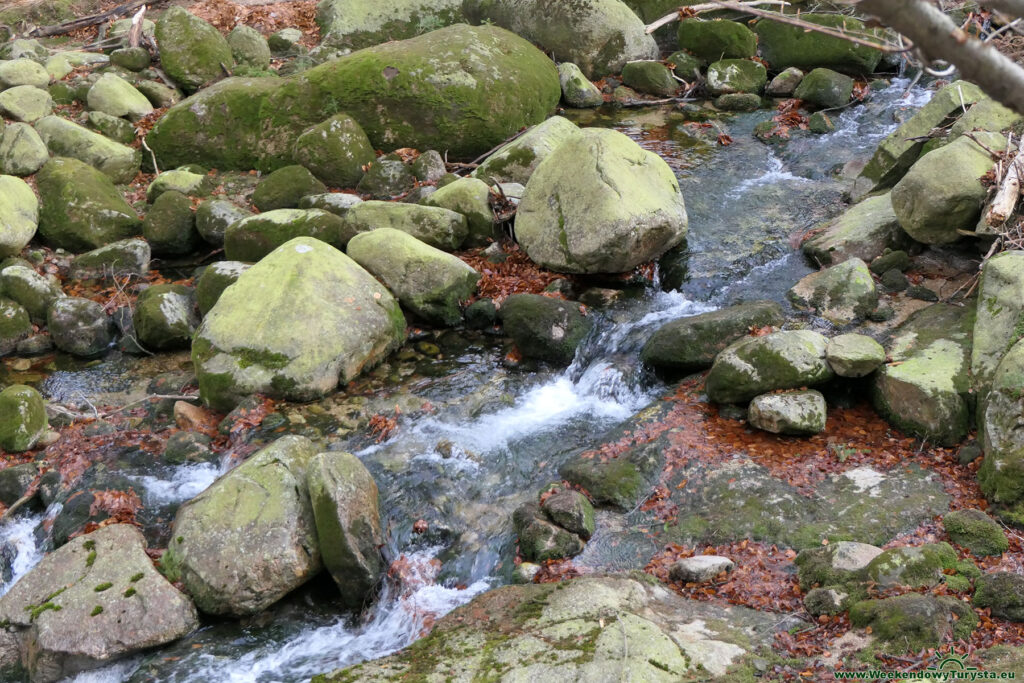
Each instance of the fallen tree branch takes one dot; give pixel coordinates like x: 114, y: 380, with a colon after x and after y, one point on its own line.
x: 135, y: 32
x: 1006, y: 198
x: 85, y: 22
x: 937, y: 36
x: 705, y: 7
x: 1012, y: 7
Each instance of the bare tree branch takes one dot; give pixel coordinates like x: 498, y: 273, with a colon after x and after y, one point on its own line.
x: 938, y: 37
x: 706, y: 7
x: 1011, y: 7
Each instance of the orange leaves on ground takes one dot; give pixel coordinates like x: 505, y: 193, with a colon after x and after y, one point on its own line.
x: 724, y: 140
x: 420, y: 526
x: 120, y: 505
x: 517, y: 274
x: 266, y: 19
x: 382, y: 426
x: 789, y: 117
x: 553, y: 571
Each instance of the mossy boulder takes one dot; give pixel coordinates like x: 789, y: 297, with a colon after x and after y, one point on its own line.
x: 461, y: 89
x: 19, y: 215
x: 214, y: 216
x: 572, y: 218
x: 92, y: 601
x: 283, y: 188
x: 165, y: 317
x: 785, y: 83
x: 925, y: 392
x: 249, y: 47
x: 337, y: 203
x: 118, y: 130
x: 125, y: 258
x: 255, y: 236
x: 22, y: 151
x: 67, y: 139
x: 836, y: 564
x: 912, y: 622
x: 22, y: 71
x: 516, y: 161
x: 295, y: 324
x: 183, y: 447
x: 1003, y: 592
x: 570, y: 510
x: 799, y: 413
x: 79, y: 326
x: 30, y: 289
x: 215, y: 279
x: 1000, y: 320
x: 131, y: 58
x: 471, y: 198
x: 825, y: 88
x: 540, y: 539
x: 386, y: 177
x: 356, y: 24
x: 437, y: 227
x: 345, y: 507
x: 192, y: 52
x: 976, y: 531
x: 756, y: 365
x: 985, y: 114
x: 914, y: 566
x: 22, y: 418
x: 651, y: 77
x: 250, y: 538
x: 784, y: 45
x: 864, y: 231
x: 170, y: 225
x: 716, y: 39
x: 180, y: 180
x: 942, y: 193
x: 15, y: 325
x: 691, y: 344
x: 599, y: 36
x: 80, y: 207
x: 159, y: 94
x: 26, y: 103
x: 1001, y: 474
x: 898, y: 152
x: 841, y: 294
x: 428, y: 282
x: 854, y: 355
x: 113, y: 95
x: 544, y: 328
x: 335, y: 151
x: 729, y: 76
x: 577, y: 90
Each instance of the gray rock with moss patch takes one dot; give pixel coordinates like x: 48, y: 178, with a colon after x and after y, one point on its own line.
x: 577, y: 90
x: 335, y: 151
x: 22, y: 418
x: 942, y: 193
x: 471, y: 198
x: 691, y: 344
x: 386, y: 177
x: 574, y: 217
x: 179, y: 180
x: 345, y: 506
x: 784, y: 45
x: 1000, y: 320
x: 1003, y: 592
x: 544, y: 328
x: 841, y: 294
x: 599, y: 36
x: 19, y: 214
x: 799, y: 413
x: 912, y: 622
x: 165, y: 317
x: 516, y: 161
x: 67, y: 139
x: 22, y: 71
x: 651, y: 77
x: 854, y: 355
x: 976, y: 531
x: 215, y: 279
x: 125, y: 258
x: 30, y: 289
x: 585, y: 629
x: 94, y: 600
x: 356, y: 24
x: 295, y: 324
x: 250, y: 538
x: 249, y: 47
x: 437, y: 227
x: 192, y: 52
x: 170, y: 225
x: 572, y: 511
x: 79, y: 326
x: 781, y: 360
x: 1001, y: 474
x: 925, y: 392
x: 214, y: 216
x: 863, y: 231
x: 711, y: 40
x: 540, y: 539
x: 785, y: 83
x: 825, y: 88
x: 728, y: 76
x: 26, y: 103
x: 15, y: 325
x: 118, y: 130
x: 255, y: 236
x: 115, y: 96
x: 283, y: 188
x: 22, y: 151
x: 461, y: 89
x: 427, y: 281
x: 915, y: 566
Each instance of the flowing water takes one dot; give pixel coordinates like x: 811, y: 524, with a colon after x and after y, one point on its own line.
x: 498, y: 434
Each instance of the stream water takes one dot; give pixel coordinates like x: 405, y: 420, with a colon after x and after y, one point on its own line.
x: 498, y: 434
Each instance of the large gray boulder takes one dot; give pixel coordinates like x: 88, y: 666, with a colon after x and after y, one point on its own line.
x: 459, y: 89
x: 115, y: 96
x: 784, y: 45
x: 926, y: 390
x: 253, y: 237
x: 800, y: 413
x: 757, y: 365
x: 335, y: 151
x: 864, y: 231
x: 942, y: 193
x: 545, y: 328
x: 22, y: 151
x: 250, y: 538
x: 19, y: 215
x: 998, y: 324
x: 345, y: 507
x: 30, y: 289
x: 357, y: 24
x: 1001, y: 474
x: 600, y: 204
x: 79, y: 326
x: 295, y: 324
x: 599, y: 36
x: 93, y: 600
x: 440, y: 228
x: 192, y: 52
x: 427, y: 281
x: 841, y: 294
x: 22, y: 418
x: 68, y: 139
x: 516, y: 161
x: 165, y: 317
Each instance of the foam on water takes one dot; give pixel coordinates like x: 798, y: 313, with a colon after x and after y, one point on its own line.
x: 19, y: 535
x: 183, y: 483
